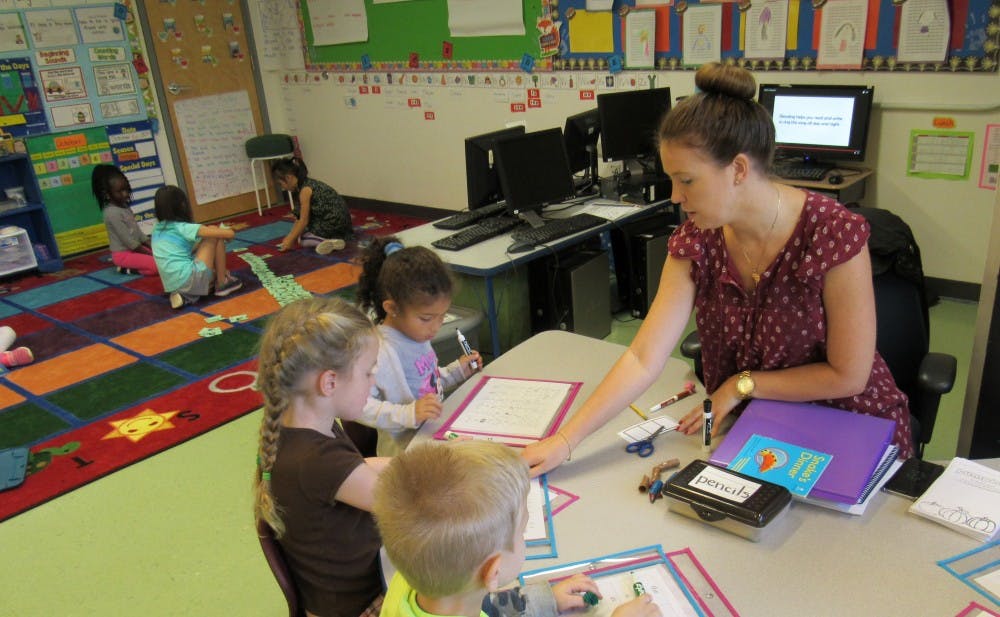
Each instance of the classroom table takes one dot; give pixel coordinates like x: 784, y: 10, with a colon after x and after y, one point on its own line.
x: 815, y: 562
x: 491, y: 258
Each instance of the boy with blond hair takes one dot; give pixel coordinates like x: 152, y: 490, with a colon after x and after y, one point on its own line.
x: 452, y: 518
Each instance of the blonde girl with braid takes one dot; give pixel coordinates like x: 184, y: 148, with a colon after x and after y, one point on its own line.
x: 316, y: 366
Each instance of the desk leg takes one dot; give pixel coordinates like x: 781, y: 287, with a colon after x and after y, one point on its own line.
x: 492, y: 317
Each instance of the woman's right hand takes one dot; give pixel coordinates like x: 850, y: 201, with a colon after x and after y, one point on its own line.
x: 545, y: 455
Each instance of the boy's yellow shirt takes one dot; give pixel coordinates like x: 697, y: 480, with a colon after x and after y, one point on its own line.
x: 401, y: 601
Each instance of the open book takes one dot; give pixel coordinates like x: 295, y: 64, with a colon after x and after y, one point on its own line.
x: 966, y: 498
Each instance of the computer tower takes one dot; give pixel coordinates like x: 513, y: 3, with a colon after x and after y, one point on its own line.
x: 570, y: 291
x: 640, y: 250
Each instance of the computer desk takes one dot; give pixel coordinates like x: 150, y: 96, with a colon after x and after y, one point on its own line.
x: 850, y: 189
x: 490, y: 259
x: 815, y: 562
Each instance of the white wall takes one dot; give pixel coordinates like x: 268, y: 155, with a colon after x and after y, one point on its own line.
x: 382, y: 149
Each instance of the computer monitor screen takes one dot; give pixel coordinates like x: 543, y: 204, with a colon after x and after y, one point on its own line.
x: 534, y: 171
x: 480, y: 167
x: 819, y: 123
x: 629, y: 121
x: 580, y: 134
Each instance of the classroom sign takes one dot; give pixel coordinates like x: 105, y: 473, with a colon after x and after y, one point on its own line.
x: 21, y: 110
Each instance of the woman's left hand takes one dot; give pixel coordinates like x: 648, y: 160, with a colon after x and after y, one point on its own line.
x: 723, y: 401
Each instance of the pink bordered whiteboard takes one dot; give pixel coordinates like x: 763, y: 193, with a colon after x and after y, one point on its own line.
x: 511, y: 410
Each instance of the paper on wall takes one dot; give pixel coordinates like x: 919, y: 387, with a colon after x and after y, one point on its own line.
x: 924, y: 29
x: 485, y: 18
x: 338, y: 21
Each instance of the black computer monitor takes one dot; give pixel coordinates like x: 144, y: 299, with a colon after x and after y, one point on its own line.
x: 480, y: 170
x: 534, y: 172
x: 629, y: 121
x: 580, y: 134
x: 819, y: 123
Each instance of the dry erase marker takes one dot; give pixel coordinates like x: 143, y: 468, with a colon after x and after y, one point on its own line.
x: 466, y: 349
x: 706, y: 427
x: 686, y: 392
x: 637, y: 586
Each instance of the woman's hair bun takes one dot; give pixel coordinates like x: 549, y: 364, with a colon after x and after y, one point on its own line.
x: 726, y: 80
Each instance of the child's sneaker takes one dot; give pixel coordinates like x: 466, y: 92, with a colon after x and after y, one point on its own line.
x: 231, y: 285
x: 7, y: 336
x: 328, y: 246
x: 176, y: 300
x: 17, y: 357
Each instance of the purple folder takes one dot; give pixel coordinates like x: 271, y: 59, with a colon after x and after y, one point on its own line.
x: 857, y: 442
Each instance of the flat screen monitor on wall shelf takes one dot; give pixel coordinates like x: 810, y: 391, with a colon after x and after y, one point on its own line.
x: 629, y: 120
x: 534, y: 172
x: 480, y: 167
x: 818, y: 125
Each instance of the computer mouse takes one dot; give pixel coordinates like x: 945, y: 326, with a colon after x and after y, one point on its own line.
x: 520, y: 247
x: 835, y: 178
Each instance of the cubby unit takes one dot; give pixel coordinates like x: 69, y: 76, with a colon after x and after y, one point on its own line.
x: 24, y: 209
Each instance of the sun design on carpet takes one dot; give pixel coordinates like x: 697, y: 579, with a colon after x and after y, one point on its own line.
x: 138, y: 426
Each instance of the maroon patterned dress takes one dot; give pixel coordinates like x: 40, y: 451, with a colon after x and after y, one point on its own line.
x: 783, y: 324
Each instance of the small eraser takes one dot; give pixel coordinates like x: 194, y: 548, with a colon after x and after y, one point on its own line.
x: 590, y: 598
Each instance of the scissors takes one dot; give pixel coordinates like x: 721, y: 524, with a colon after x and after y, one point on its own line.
x: 644, y: 447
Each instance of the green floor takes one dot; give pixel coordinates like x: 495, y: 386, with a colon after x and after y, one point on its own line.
x: 174, y: 535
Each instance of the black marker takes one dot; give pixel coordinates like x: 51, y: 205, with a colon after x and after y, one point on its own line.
x: 706, y: 427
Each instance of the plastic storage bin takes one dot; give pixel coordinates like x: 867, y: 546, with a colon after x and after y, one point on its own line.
x: 16, y: 252
x: 446, y: 344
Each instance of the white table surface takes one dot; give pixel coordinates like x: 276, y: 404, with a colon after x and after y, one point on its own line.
x: 815, y: 562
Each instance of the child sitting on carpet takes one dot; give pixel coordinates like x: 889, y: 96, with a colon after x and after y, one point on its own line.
x: 409, y: 291
x: 317, y: 360
x: 189, y: 255
x: 452, y: 517
x: 322, y: 220
x: 130, y: 247
x: 18, y: 356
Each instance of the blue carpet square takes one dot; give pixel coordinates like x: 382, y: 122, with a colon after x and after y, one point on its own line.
x: 56, y: 292
x: 7, y: 310
x: 112, y: 276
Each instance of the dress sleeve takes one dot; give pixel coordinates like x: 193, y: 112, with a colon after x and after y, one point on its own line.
x: 837, y: 236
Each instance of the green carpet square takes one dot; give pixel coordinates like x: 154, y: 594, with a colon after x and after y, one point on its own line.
x: 214, y: 353
x: 27, y: 423
x: 115, y: 390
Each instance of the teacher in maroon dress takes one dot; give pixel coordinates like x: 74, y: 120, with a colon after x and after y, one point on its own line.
x: 780, y: 279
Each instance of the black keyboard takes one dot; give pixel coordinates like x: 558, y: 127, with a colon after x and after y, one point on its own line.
x: 464, y: 219
x: 554, y: 229
x: 479, y: 232
x: 801, y: 172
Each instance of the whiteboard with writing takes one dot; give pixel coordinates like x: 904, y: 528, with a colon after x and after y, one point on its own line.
x: 214, y: 130
x: 523, y: 407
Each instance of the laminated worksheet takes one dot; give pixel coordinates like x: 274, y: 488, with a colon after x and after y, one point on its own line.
x: 510, y: 410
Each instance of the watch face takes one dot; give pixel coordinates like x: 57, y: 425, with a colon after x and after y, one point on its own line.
x: 745, y: 385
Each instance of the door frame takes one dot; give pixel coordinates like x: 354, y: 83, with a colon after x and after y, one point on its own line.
x: 161, y: 94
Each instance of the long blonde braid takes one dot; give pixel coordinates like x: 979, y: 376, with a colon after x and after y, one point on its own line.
x: 308, y: 335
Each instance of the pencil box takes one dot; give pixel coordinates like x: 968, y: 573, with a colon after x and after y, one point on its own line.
x: 726, y: 499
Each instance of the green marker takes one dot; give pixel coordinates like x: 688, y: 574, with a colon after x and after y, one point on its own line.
x: 638, y: 588
x: 590, y: 598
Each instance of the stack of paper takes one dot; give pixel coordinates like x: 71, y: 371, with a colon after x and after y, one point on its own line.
x: 966, y: 498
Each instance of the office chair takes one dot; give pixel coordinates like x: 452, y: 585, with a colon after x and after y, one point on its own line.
x: 902, y: 324
x: 267, y: 148
x: 279, y: 567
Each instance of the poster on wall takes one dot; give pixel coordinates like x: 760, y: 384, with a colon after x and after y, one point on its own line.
x: 62, y: 84
x: 12, y: 37
x: 114, y: 79
x: 51, y: 28
x: 21, y: 110
x: 72, y: 115
x: 214, y: 130
x: 99, y: 24
x: 134, y: 152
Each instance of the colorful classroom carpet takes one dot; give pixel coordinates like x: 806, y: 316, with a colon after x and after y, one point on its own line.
x: 119, y: 376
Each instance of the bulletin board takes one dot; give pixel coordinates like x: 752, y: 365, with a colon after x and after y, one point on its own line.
x: 973, y: 44
x: 81, y: 70
x: 398, y: 29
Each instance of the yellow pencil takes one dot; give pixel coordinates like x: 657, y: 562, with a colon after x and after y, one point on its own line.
x: 638, y: 411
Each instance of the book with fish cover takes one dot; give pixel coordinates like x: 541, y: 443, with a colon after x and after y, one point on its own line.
x: 794, y: 467
x: 857, y: 442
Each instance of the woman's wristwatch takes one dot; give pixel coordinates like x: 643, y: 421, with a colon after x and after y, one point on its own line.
x: 745, y: 385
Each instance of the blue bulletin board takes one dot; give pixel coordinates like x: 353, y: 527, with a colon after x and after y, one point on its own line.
x: 974, y: 43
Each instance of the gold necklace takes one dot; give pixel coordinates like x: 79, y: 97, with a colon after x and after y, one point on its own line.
x: 754, y: 267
